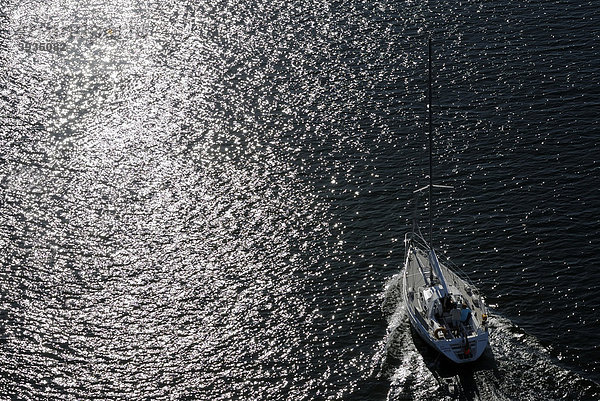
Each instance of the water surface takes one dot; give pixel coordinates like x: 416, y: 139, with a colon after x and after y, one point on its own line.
x: 207, y: 200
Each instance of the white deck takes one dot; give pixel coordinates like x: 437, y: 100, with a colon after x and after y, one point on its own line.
x: 433, y: 322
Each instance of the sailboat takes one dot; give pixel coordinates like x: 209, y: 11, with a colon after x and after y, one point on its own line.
x: 443, y: 306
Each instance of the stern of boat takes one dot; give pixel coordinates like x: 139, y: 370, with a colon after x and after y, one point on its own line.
x: 457, y: 350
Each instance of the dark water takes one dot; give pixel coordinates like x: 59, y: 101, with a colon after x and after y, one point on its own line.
x: 207, y: 200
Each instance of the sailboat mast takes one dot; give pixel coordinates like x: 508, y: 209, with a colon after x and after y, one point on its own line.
x: 430, y: 153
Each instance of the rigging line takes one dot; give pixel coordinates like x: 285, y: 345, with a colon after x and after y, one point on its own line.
x: 430, y: 164
x: 429, y: 106
x: 420, y: 142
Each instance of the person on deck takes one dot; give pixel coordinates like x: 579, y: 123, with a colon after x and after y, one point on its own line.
x: 465, y: 314
x: 437, y: 311
x: 455, y: 316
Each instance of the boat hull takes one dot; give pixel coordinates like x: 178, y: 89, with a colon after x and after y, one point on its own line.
x: 454, y: 350
x: 462, y: 346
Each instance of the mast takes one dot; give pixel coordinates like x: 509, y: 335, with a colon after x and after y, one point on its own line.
x: 430, y: 152
x: 433, y: 260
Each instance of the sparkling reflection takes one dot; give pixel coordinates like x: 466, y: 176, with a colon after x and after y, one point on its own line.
x: 202, y: 200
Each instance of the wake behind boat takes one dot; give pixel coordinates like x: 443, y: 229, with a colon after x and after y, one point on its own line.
x: 445, y: 309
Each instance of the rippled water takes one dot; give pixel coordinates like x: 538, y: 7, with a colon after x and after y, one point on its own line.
x: 207, y: 200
